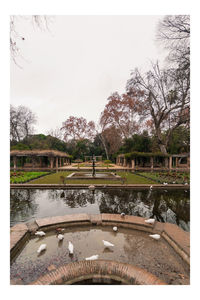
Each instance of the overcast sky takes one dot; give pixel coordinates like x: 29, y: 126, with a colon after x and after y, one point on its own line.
x: 73, y: 68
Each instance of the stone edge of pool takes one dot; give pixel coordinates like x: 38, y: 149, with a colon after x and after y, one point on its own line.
x: 69, y: 186
x: 176, y: 237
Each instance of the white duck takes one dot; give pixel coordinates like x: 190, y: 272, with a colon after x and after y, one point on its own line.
x: 150, y: 221
x: 155, y: 236
x: 151, y: 187
x: 42, y: 248
x: 60, y: 237
x: 40, y: 233
x: 71, y: 248
x: 93, y: 257
x: 107, y: 244
x: 122, y: 214
x: 115, y: 228
x: 91, y: 187
x: 165, y: 183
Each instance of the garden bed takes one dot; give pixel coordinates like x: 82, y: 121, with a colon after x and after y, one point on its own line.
x: 22, y: 177
x: 168, y: 177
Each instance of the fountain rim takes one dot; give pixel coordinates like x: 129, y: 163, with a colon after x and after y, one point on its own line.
x: 176, y: 237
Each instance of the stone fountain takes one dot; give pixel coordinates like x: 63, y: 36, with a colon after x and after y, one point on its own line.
x: 93, y: 175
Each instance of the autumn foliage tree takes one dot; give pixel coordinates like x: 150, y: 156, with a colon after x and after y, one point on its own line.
x: 78, y: 128
x: 120, y: 112
x: 112, y: 139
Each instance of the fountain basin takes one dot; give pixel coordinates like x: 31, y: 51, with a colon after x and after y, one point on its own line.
x: 98, y: 175
x: 133, y: 249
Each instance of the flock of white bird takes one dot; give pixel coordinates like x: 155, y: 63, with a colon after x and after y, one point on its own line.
x: 105, y: 243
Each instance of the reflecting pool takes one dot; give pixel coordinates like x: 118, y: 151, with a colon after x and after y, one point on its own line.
x: 168, y: 205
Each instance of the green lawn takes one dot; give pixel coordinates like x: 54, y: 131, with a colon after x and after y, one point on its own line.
x: 21, y: 177
x: 55, y: 179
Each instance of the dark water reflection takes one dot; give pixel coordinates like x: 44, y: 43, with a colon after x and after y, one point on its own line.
x: 165, y: 205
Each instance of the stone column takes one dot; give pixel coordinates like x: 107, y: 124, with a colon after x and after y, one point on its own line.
x: 40, y: 161
x: 124, y: 162
x: 133, y: 164
x: 170, y: 162
x: 51, y: 162
x: 56, y: 162
x: 176, y: 162
x: 33, y: 162
x: 151, y: 162
x: 188, y: 162
x: 15, y: 162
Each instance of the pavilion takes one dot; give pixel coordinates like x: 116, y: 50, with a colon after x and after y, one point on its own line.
x: 38, y: 159
x: 154, y: 161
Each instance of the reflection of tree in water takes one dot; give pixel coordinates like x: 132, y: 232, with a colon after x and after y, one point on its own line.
x: 22, y: 205
x: 171, y: 206
x: 73, y: 198
x: 128, y: 201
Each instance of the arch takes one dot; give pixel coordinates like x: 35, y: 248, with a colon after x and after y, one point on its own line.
x: 99, y: 269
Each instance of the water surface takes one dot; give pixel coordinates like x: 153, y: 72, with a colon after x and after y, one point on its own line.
x: 171, y: 206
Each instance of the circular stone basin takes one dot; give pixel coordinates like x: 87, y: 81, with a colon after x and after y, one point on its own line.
x: 130, y: 246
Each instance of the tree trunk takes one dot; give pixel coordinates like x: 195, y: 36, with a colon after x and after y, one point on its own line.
x: 104, y: 145
x: 163, y: 148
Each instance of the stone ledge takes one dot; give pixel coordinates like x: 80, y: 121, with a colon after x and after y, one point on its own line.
x: 17, y: 232
x: 179, y: 236
x: 76, y: 218
x: 77, y: 271
x: 80, y: 186
x: 126, y: 221
x: 18, y: 236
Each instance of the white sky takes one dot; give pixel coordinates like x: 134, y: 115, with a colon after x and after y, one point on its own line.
x: 74, y: 68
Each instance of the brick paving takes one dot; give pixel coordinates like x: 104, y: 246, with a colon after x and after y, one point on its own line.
x: 78, y: 271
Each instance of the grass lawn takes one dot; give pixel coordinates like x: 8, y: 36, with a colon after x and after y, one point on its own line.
x: 21, y: 177
x: 55, y: 179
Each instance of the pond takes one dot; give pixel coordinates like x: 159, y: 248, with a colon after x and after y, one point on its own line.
x: 171, y: 206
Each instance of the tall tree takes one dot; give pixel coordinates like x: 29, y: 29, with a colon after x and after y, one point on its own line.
x: 113, y: 140
x: 165, y: 102
x: 174, y: 33
x: 21, y: 122
x: 120, y: 113
x: 78, y: 128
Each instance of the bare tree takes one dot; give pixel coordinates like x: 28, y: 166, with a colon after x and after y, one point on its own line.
x: 165, y: 102
x: 174, y: 33
x: 57, y: 133
x: 21, y: 122
x: 41, y: 22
